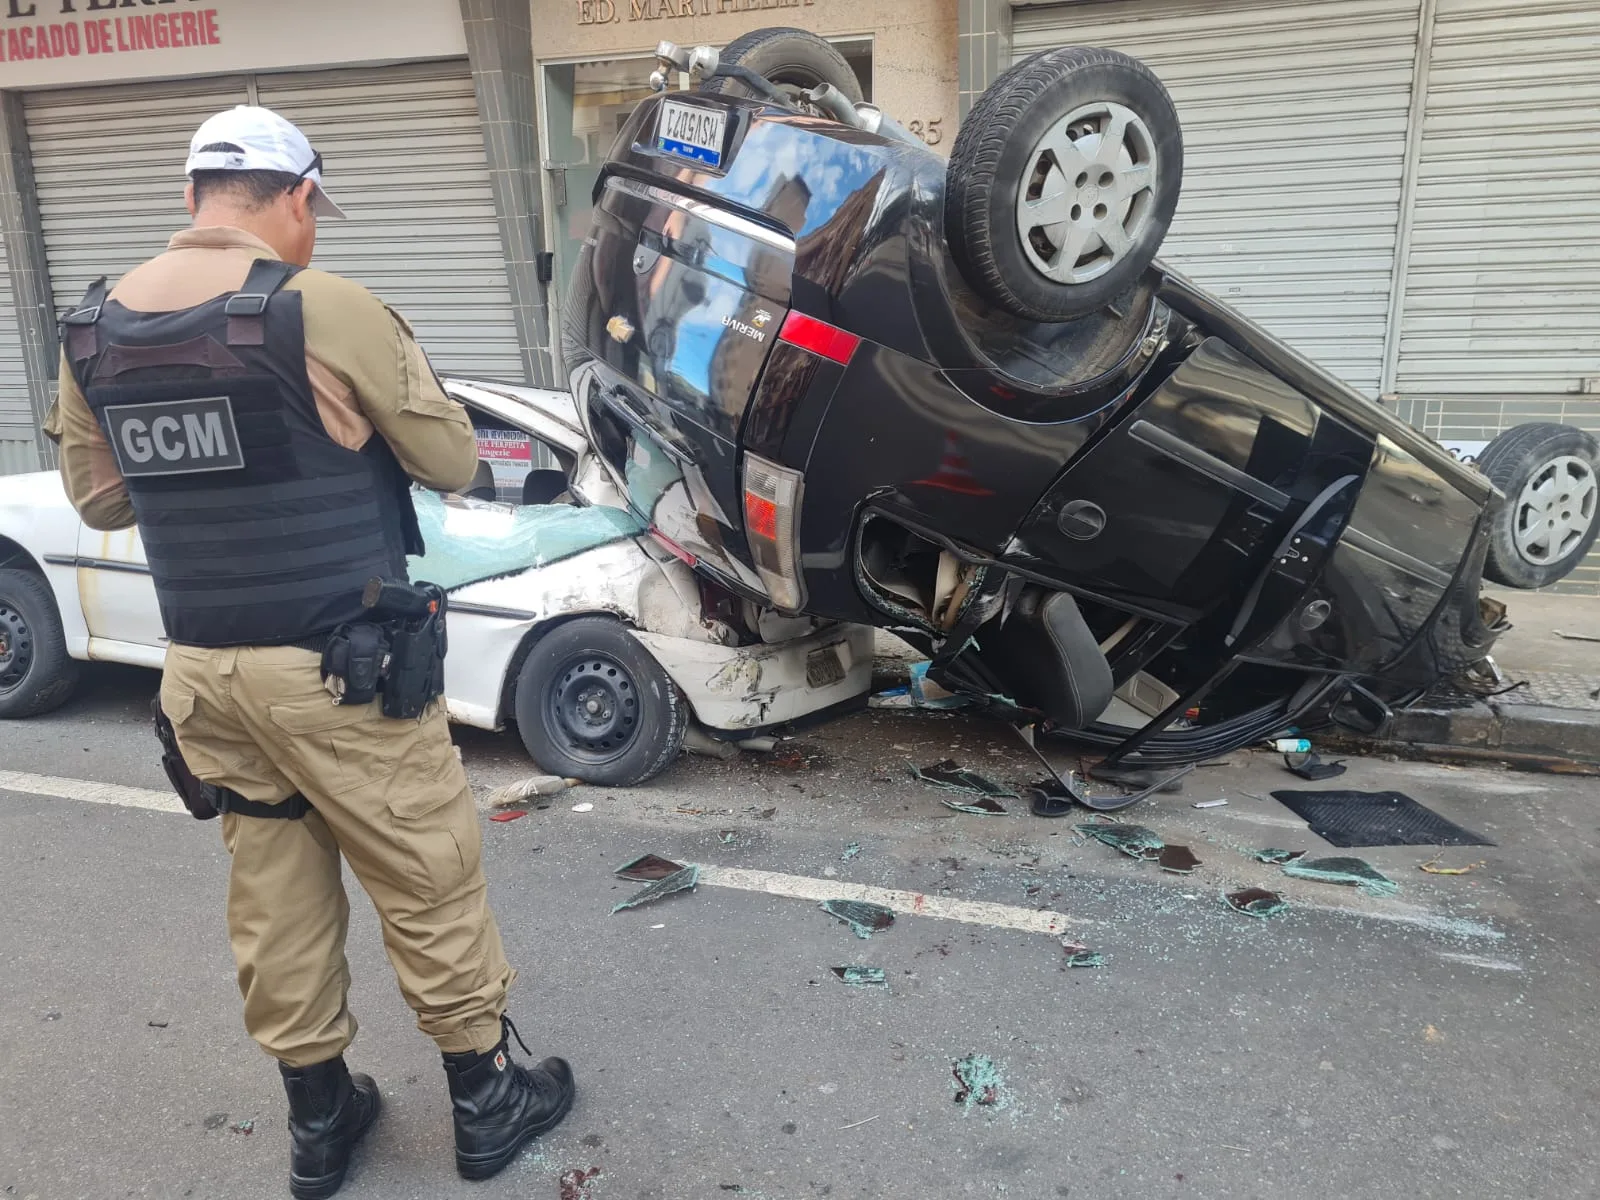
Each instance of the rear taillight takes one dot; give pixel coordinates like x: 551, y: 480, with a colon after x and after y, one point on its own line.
x: 772, y: 528
x: 818, y: 337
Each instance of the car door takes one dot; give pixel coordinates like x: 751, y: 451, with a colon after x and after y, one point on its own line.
x: 118, y: 595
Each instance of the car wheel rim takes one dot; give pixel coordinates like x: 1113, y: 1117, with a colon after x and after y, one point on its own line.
x: 594, y: 708
x: 1088, y: 192
x: 1555, y: 510
x: 16, y: 649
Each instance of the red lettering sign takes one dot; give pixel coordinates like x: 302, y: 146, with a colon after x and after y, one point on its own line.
x: 107, y: 35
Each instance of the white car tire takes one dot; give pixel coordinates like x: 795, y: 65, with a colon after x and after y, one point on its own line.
x: 36, y: 673
x: 593, y: 704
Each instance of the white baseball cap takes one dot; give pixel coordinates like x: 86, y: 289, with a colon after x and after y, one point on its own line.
x: 258, y: 139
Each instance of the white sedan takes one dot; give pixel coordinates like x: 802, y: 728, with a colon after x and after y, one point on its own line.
x: 566, y: 616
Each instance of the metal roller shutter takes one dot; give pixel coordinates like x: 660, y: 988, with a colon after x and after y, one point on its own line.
x: 403, y: 153
x: 108, y: 163
x: 17, y: 449
x: 1294, y: 126
x: 1502, y: 288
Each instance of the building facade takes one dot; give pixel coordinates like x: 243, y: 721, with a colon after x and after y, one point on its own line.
x: 1403, y: 189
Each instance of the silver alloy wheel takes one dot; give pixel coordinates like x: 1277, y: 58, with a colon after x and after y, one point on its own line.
x: 1555, y: 510
x: 1088, y: 193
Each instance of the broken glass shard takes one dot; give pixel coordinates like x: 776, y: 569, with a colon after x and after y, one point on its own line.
x: 977, y: 1081
x: 1180, y: 860
x: 850, y: 851
x: 727, y: 836
x: 1277, y: 857
x: 1257, y: 902
x: 983, y: 806
x: 1351, y: 872
x: 952, y: 776
x: 1086, y: 958
x: 678, y: 881
x: 863, y: 976
x: 864, y: 918
x: 1133, y: 840
x: 648, y: 867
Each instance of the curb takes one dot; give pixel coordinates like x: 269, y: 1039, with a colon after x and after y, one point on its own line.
x: 1533, y: 736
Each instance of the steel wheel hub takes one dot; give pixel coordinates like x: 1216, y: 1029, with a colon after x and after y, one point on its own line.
x: 595, y: 707
x: 16, y: 648
x: 1088, y: 192
x: 1555, y: 510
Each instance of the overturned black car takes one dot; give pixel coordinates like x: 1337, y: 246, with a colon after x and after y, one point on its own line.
x: 963, y: 401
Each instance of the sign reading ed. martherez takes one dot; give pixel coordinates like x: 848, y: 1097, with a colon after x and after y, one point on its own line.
x: 49, y: 42
x: 605, y: 12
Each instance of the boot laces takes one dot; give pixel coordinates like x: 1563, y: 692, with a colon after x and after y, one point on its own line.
x: 509, y: 1031
x: 530, y: 1078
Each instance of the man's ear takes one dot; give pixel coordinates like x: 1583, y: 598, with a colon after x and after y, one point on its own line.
x: 188, y: 197
x: 300, y: 199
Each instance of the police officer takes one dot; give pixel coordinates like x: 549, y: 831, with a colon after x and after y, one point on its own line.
x: 259, y: 422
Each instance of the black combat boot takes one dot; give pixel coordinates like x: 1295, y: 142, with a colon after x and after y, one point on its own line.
x: 500, y: 1105
x: 329, y: 1110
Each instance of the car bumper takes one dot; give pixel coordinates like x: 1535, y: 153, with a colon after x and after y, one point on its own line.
x: 740, y: 688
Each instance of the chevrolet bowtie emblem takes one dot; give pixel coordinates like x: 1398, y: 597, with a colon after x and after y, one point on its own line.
x: 620, y: 329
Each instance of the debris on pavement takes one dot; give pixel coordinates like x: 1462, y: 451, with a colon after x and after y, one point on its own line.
x: 1179, y: 860
x: 583, y: 808
x: 1348, y: 872
x: 727, y: 836
x: 1055, y: 797
x: 1349, y: 819
x: 575, y: 1183
x: 1133, y: 840
x: 1309, y: 766
x: 953, y: 777
x: 158, y: 1024
x: 647, y: 868
x: 1432, y: 869
x: 978, y: 1081
x: 919, y: 692
x: 509, y: 815
x: 527, y: 789
x: 678, y: 881
x: 1292, y: 745
x: 850, y: 851
x: 1576, y: 637
x: 1079, y: 955
x: 1277, y: 857
x: 858, y: 1124
x: 875, y: 977
x: 1219, y: 803
x: 244, y: 1127
x: 1257, y: 902
x: 1049, y: 799
x: 983, y: 806
x: 864, y: 918
x: 1136, y: 778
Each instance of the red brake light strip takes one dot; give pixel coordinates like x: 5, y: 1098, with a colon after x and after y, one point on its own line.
x: 818, y: 337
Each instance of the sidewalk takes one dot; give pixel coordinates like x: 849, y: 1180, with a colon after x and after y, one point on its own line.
x: 1554, y: 715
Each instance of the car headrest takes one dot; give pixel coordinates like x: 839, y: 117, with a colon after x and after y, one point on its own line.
x: 543, y: 486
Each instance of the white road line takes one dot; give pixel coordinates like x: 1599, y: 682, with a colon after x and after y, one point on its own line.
x: 95, y: 793
x: 911, y: 904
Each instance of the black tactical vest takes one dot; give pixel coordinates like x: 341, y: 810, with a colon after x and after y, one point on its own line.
x: 259, y: 528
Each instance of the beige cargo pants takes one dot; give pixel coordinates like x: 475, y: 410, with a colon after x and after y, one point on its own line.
x: 391, y: 797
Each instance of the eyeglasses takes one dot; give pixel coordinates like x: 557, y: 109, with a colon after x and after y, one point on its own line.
x: 316, y: 165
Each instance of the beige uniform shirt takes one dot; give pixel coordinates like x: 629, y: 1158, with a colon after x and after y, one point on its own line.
x: 367, y: 372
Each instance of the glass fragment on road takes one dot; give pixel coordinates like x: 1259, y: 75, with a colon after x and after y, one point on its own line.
x: 1257, y: 902
x: 875, y: 977
x: 982, y: 806
x: 1085, y: 957
x: 850, y: 851
x: 1133, y: 840
x: 953, y: 777
x: 1179, y: 860
x: 678, y: 881
x: 978, y: 1082
x: 1277, y: 857
x: 1348, y: 872
x: 864, y: 919
x: 648, y: 867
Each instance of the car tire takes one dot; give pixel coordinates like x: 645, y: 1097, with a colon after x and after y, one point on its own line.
x: 638, y: 726
x: 1017, y: 165
x: 1550, y: 475
x: 793, y: 60
x: 36, y: 673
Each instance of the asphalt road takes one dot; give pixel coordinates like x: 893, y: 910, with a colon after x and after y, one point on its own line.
x: 1438, y: 1043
